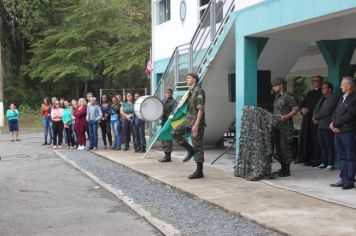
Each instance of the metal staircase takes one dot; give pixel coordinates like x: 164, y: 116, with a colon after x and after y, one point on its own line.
x: 196, y: 55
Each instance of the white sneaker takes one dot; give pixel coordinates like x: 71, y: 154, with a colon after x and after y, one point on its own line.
x: 329, y: 167
x: 80, y: 147
x: 321, y: 166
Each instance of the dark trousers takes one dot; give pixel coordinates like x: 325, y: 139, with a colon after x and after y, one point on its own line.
x: 346, y: 150
x: 57, y: 127
x: 106, y: 131
x: 70, y: 136
x: 327, y: 146
x: 309, y: 150
x: 139, y: 135
x: 127, y: 128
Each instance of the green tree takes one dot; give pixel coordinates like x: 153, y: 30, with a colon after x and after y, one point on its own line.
x: 60, y: 43
x: 97, y: 40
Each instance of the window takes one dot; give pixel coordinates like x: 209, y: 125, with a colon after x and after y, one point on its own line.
x: 164, y: 11
x: 204, y: 2
x: 218, y: 11
x: 202, y: 6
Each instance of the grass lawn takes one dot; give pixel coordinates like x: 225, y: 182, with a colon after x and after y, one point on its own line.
x: 28, y: 122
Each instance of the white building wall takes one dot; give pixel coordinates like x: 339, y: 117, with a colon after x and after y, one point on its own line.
x: 172, y: 33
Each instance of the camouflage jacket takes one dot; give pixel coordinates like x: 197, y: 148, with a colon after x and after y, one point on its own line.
x: 196, y: 102
x: 283, y: 104
x: 168, y: 106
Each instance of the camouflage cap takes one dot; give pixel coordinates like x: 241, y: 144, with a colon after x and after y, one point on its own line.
x: 194, y: 75
x: 169, y: 90
x: 277, y: 81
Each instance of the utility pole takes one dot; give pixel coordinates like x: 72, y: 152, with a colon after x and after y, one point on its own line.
x: 1, y: 76
x: 1, y: 89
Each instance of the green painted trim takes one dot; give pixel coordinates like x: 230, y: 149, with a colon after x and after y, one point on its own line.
x: 338, y: 55
x: 160, y: 65
x: 261, y: 45
x: 272, y: 14
x: 264, y: 16
x: 248, y: 51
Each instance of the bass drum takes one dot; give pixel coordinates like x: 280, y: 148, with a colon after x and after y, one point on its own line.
x: 148, y: 108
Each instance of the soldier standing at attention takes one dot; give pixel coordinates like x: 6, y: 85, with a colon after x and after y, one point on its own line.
x: 284, y: 108
x: 168, y: 106
x: 195, y: 124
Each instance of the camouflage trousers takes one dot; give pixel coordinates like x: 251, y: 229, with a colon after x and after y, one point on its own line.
x: 197, y: 141
x: 281, y: 143
x: 167, y: 145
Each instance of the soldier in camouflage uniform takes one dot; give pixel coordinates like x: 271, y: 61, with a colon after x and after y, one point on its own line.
x: 168, y: 106
x: 284, y: 108
x: 195, y: 124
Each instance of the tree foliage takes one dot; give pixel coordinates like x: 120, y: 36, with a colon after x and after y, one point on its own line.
x: 101, y: 42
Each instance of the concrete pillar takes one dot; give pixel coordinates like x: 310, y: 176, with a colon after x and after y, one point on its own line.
x: 248, y: 49
x: 338, y: 55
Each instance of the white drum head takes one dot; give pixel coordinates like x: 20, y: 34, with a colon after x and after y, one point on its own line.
x: 148, y: 108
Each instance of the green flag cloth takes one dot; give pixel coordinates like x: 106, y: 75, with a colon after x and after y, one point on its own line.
x: 173, y: 121
x: 178, y: 116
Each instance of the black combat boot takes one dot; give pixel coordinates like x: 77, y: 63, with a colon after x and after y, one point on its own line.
x: 198, y: 173
x: 166, y: 158
x: 280, y: 171
x: 285, y: 171
x: 190, y: 151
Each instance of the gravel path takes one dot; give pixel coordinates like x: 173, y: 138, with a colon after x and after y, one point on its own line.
x: 189, y: 215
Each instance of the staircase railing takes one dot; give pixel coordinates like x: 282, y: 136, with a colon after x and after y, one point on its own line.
x: 193, y: 56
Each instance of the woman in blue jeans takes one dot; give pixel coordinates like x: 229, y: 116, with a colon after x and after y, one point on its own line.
x: 127, y: 111
x: 94, y: 116
x: 46, y: 120
x: 115, y: 123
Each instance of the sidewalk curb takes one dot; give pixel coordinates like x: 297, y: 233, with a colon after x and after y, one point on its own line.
x: 193, y: 195
x: 160, y: 225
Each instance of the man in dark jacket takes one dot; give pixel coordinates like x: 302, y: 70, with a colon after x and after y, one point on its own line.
x: 344, y: 126
x: 322, y: 117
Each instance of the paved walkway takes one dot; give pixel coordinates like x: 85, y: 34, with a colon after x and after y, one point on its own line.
x: 279, y: 209
x: 41, y: 194
x: 305, y: 179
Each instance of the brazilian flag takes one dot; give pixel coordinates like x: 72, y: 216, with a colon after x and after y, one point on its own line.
x: 173, y: 121
x: 176, y: 118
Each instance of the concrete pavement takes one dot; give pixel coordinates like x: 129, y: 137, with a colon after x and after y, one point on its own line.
x: 286, y: 211
x: 42, y: 195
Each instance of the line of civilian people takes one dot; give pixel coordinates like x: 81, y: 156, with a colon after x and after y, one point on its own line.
x: 330, y: 121
x: 70, y: 122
